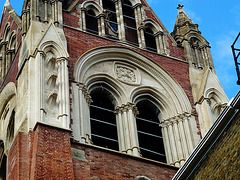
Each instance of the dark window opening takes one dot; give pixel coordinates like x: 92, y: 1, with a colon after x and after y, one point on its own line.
x: 3, y: 162
x: 150, y: 40
x: 10, y: 129
x: 149, y: 133
x: 111, y: 25
x: 129, y: 23
x: 91, y: 22
x: 103, y: 119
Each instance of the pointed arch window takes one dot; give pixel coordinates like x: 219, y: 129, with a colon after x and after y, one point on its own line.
x: 103, y: 119
x: 149, y: 132
x: 91, y: 22
x: 129, y: 22
x: 111, y: 25
x: 150, y: 40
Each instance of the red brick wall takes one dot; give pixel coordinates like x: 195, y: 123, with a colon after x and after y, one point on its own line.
x: 42, y: 154
x: 51, y: 157
x: 18, y: 158
x: 105, y: 164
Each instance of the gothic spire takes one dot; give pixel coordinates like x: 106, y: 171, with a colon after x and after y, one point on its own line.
x: 182, y: 17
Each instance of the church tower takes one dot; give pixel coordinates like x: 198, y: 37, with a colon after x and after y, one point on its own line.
x: 208, y: 93
x: 99, y: 89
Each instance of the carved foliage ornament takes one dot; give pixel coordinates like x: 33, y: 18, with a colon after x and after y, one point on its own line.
x: 125, y: 74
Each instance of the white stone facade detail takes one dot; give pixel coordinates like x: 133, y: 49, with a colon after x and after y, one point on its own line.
x: 178, y: 125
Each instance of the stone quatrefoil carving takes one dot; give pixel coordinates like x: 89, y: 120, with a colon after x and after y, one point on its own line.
x: 126, y: 74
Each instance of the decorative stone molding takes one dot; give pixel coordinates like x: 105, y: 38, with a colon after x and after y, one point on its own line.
x: 85, y: 93
x: 126, y: 108
x: 126, y: 73
x: 175, y: 119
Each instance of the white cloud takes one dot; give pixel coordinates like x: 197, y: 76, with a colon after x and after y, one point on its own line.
x: 224, y: 62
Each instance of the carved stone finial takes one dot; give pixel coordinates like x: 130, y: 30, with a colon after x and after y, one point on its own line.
x: 180, y: 6
x: 7, y: 3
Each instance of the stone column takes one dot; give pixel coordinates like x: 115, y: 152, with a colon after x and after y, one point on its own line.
x: 183, y: 138
x: 127, y: 133
x: 101, y: 25
x: 119, y: 14
x: 83, y: 13
x: 121, y: 130
x: 4, y: 57
x: 138, y: 17
x: 178, y: 141
x: 45, y: 11
x: 28, y: 16
x: 42, y: 59
x: 132, y: 113
x: 53, y: 10
x: 84, y: 114
x: 166, y: 141
x: 56, y: 12
x: 159, y: 42
x: 142, y: 43
x: 187, y: 131
x: 24, y: 21
x: 63, y: 93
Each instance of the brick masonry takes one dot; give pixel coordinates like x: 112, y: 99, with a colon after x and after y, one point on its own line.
x: 223, y: 161
x: 43, y: 153
x: 99, y: 163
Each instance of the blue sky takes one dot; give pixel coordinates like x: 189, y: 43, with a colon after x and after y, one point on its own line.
x: 219, y: 22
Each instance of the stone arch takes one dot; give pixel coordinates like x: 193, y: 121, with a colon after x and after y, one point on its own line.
x: 53, y: 47
x: 198, y: 37
x: 108, y: 54
x: 149, y: 80
x: 12, y: 41
x: 217, y: 101
x: 7, y: 32
x: 164, y: 104
x: 7, y: 114
x: 114, y: 87
x: 134, y: 2
x: 7, y: 93
x: 152, y: 25
x: 54, y: 95
x: 92, y: 5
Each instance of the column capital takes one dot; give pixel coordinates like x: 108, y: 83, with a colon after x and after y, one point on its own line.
x: 126, y: 107
x: 85, y: 92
